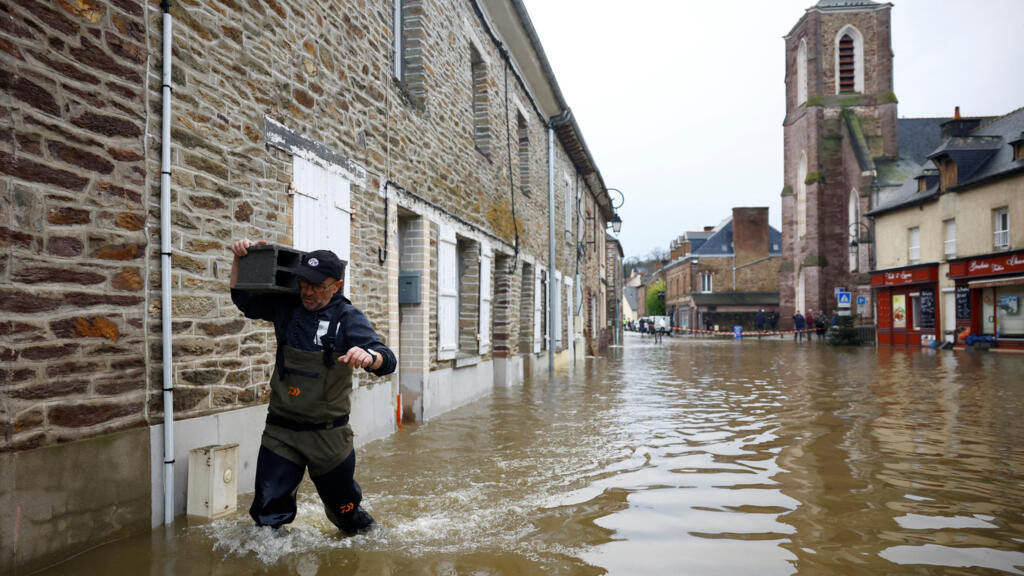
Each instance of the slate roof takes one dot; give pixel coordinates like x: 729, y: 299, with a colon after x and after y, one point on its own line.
x: 984, y: 154
x: 720, y: 242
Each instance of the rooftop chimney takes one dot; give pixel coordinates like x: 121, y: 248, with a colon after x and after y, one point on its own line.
x: 958, y: 126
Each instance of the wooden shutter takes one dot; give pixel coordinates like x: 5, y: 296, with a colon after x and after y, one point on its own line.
x: 485, y: 297
x: 447, y: 295
x: 538, y: 309
x: 558, y: 309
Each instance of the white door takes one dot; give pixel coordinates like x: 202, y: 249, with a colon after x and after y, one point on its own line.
x: 322, y: 212
x: 949, y: 314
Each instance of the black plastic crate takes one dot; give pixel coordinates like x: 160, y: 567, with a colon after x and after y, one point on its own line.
x: 269, y: 269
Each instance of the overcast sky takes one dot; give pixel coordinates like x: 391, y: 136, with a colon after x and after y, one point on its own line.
x: 681, y: 101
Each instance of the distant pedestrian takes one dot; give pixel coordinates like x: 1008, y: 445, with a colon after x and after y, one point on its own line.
x: 799, y: 323
x: 773, y: 320
x: 819, y: 324
x: 759, y: 320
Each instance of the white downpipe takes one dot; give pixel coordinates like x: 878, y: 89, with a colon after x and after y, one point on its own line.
x: 165, y: 268
x: 552, y: 286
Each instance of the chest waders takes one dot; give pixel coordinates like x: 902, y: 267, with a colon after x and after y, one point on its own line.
x: 307, y: 426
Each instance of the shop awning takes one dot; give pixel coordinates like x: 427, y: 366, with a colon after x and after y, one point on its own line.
x: 993, y: 282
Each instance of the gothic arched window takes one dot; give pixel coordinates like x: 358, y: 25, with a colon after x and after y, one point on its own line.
x: 801, y: 196
x: 801, y: 72
x: 849, y: 61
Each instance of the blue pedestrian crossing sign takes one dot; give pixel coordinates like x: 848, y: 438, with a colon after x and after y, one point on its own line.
x: 844, y: 299
x: 862, y: 301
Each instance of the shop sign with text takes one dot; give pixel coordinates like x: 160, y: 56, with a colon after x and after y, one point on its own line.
x: 905, y: 276
x: 987, y: 266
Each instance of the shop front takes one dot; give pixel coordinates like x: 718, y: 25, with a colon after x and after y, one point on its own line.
x: 989, y: 295
x: 907, y: 305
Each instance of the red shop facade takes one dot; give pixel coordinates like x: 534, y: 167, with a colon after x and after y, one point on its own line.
x: 990, y: 295
x: 907, y: 305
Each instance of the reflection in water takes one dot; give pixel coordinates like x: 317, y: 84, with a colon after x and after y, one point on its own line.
x: 690, y: 457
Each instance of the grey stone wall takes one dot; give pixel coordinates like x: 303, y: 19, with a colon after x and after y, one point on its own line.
x: 73, y: 213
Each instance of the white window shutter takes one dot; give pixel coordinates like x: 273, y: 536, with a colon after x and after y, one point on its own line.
x: 447, y: 295
x: 322, y: 215
x: 538, y: 310
x: 558, y: 309
x: 570, y: 307
x: 485, y: 297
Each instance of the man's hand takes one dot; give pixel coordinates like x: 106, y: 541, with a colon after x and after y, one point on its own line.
x: 240, y: 248
x: 356, y: 357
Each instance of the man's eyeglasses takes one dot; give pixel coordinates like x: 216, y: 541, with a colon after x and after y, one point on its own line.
x: 322, y: 287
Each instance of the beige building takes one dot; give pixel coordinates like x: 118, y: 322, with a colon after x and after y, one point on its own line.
x: 950, y: 245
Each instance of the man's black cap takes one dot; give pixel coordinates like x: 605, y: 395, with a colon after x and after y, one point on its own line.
x: 320, y: 265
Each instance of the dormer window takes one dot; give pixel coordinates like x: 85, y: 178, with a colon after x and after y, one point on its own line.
x: 947, y: 172
x: 1018, y: 147
x: 922, y: 183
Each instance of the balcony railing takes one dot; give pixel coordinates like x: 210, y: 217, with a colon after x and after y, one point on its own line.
x: 1001, y: 239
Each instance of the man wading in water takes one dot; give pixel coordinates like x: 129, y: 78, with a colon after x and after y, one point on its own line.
x: 321, y: 339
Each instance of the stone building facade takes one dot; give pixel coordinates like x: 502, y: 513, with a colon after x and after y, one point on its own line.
x: 421, y: 140
x: 723, y: 275
x: 840, y: 145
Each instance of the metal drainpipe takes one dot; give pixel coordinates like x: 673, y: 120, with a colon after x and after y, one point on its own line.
x: 165, y: 267
x: 551, y: 249
x: 552, y: 287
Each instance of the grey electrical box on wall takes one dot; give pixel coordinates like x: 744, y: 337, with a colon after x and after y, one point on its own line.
x: 408, y: 287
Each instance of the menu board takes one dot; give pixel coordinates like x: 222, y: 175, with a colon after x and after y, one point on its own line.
x: 963, y: 302
x: 927, y: 309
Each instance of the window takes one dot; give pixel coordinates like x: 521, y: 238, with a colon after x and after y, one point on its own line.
x: 849, y: 61
x: 468, y: 255
x: 846, y: 64
x: 1001, y: 226
x: 481, y: 120
x: 801, y: 72
x: 914, y: 245
x: 949, y: 244
x: 408, y: 47
x: 706, y: 282
x: 853, y: 217
x: 524, y: 154
x: 915, y: 310
x: 570, y: 207
x: 801, y: 196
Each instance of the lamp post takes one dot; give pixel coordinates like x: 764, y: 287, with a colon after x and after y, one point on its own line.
x: 616, y: 224
x: 855, y: 240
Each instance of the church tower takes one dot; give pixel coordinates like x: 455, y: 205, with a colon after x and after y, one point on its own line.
x: 840, y: 130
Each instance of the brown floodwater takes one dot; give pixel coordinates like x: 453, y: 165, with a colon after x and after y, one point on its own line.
x: 688, y: 457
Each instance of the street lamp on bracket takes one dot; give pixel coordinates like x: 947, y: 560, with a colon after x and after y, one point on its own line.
x: 616, y: 222
x: 858, y: 232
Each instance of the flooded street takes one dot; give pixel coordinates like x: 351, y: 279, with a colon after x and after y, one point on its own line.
x: 688, y: 457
